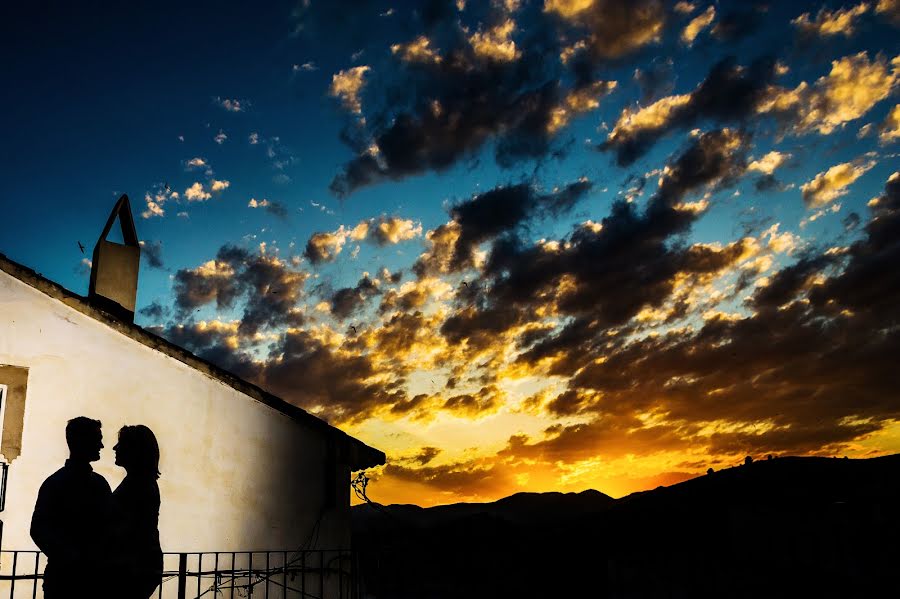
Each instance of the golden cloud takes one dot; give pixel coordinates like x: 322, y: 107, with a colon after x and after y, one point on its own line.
x: 890, y: 9
x: 437, y: 258
x: 768, y: 163
x: 347, y: 85
x: 698, y: 24
x: 393, y: 230
x: 325, y: 246
x: 614, y: 28
x: 418, y: 50
x: 828, y: 23
x: 889, y: 129
x: 495, y: 43
x: 577, y: 102
x: 631, y: 122
x: 854, y: 85
x: 568, y: 9
x: 196, y: 193
x: 832, y: 184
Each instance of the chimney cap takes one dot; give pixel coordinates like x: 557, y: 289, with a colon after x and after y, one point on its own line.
x: 115, y: 266
x: 122, y: 209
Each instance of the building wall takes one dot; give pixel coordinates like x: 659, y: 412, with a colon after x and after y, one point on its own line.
x: 236, y: 473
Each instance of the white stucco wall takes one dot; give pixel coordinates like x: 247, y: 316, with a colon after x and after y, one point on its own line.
x: 236, y: 473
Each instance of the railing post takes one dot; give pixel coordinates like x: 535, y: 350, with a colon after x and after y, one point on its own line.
x: 182, y: 575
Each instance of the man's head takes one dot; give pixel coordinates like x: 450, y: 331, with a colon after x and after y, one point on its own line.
x: 84, y: 438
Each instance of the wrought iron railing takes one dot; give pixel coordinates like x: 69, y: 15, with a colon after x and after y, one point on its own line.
x: 295, y: 574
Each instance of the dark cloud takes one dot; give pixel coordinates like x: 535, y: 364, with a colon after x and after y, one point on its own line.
x: 155, y: 310
x: 392, y: 277
x: 484, y: 401
x: 851, y: 221
x: 277, y: 209
x: 612, y: 437
x: 613, y: 29
x: 629, y: 261
x: 870, y: 283
x: 269, y: 287
x: 322, y: 247
x: 487, y: 215
x: 730, y: 94
x: 793, y: 376
x: 445, y: 107
x: 151, y: 252
x: 768, y: 183
x: 787, y: 283
x: 738, y: 21
x: 466, y: 478
x: 313, y: 375
x: 348, y: 300
x: 408, y: 298
x: 425, y: 455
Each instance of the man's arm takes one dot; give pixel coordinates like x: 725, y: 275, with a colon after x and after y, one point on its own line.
x: 44, y: 522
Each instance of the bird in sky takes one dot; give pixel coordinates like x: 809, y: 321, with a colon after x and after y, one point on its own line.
x: 168, y: 189
x: 80, y: 247
x: 466, y: 284
x: 354, y: 329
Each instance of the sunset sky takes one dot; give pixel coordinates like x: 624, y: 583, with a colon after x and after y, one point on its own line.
x: 519, y: 246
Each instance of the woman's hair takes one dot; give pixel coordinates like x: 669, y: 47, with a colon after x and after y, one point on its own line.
x: 140, y: 451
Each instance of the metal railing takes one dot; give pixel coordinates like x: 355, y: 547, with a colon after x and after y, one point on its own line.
x: 297, y: 574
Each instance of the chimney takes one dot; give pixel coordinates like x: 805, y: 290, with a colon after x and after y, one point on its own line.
x: 114, y: 271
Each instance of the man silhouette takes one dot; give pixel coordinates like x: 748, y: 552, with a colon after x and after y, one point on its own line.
x: 70, y: 521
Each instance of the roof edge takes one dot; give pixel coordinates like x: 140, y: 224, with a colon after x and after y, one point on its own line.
x: 360, y: 456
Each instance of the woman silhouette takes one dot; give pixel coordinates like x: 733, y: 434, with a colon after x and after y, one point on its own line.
x: 137, y: 554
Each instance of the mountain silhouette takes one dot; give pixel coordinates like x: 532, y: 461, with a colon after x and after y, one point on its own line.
x: 786, y: 527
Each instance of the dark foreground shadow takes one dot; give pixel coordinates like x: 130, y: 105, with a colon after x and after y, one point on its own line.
x: 789, y: 527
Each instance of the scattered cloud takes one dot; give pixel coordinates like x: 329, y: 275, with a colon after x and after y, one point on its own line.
x: 828, y: 23
x: 154, y: 311
x: 152, y: 254
x: 854, y: 85
x: 325, y: 247
x: 383, y: 230
x: 832, y: 184
x: 495, y: 44
x: 347, y: 86
x: 889, y: 128
x: 196, y: 193
x: 418, y: 50
x: 493, y: 83
x: 232, y: 105
x: 269, y: 286
x: 768, y: 163
x: 698, y: 24
x: 195, y: 163
x: 275, y: 208
x: 890, y: 9
x: 155, y: 201
x: 730, y: 93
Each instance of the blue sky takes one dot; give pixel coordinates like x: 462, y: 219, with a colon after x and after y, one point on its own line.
x: 233, y: 104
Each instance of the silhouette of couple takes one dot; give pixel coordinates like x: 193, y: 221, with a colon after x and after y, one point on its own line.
x: 101, y: 543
